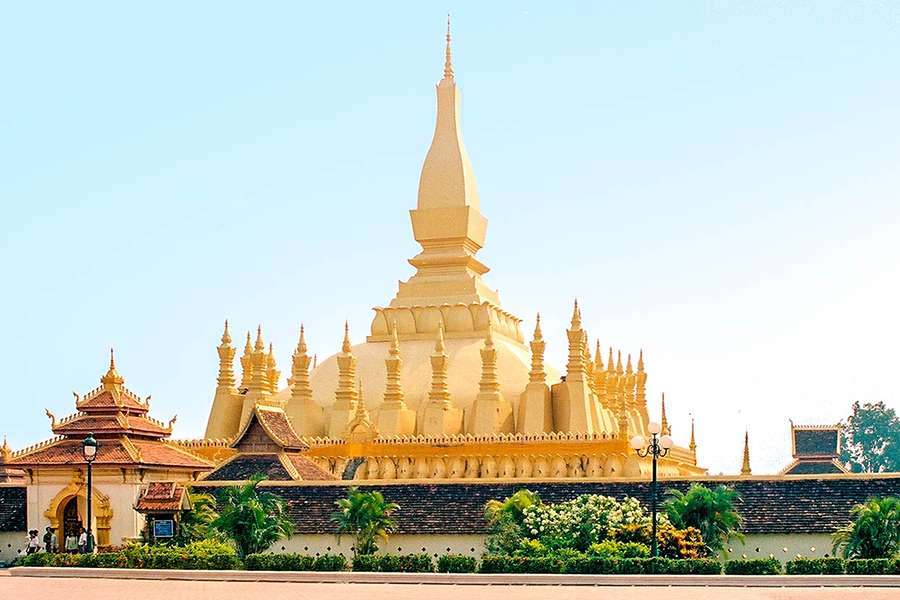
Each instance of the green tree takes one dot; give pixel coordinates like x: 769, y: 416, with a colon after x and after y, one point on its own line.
x: 367, y: 517
x: 712, y: 511
x: 874, y: 532
x: 195, y: 523
x: 253, y: 519
x: 871, y: 439
x: 504, y: 520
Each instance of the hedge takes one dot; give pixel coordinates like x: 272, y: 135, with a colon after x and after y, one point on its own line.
x: 597, y: 565
x: 874, y: 566
x: 815, y: 566
x: 394, y: 563
x: 457, y: 563
x: 205, y: 555
x: 753, y: 566
x: 295, y: 562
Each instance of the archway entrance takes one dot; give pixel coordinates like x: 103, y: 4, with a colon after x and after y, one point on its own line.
x: 71, y: 521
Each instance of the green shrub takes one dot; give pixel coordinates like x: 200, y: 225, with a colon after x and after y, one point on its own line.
x: 753, y: 566
x: 593, y: 565
x: 874, y: 566
x: 815, y: 566
x: 456, y: 563
x: 617, y: 549
x: 394, y: 563
x: 330, y: 562
x: 686, y: 566
x: 278, y: 562
x: 586, y: 564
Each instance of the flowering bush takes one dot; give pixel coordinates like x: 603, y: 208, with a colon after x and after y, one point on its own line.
x: 582, y: 521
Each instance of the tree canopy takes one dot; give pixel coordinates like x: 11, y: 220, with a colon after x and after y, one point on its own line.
x: 871, y: 441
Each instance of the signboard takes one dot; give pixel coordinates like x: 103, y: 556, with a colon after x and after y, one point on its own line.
x: 164, y: 528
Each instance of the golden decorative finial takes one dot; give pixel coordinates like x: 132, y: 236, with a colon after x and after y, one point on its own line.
x: 273, y: 375
x: 5, y: 451
x: 393, y: 390
x: 664, y: 422
x: 112, y: 377
x: 576, y: 317
x: 598, y: 358
x: 640, y: 365
x: 448, y: 62
x: 537, y: 374
x: 439, y: 393
x: 439, y: 344
x: 693, y: 445
x: 745, y: 466
x: 245, y: 363
x: 226, y: 360
x: 301, y: 392
x: 628, y: 368
x: 345, y: 347
x: 395, y: 340
x: 301, y: 344
x: 260, y: 345
x: 619, y: 370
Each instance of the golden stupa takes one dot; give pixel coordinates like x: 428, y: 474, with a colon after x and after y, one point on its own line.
x: 452, y: 387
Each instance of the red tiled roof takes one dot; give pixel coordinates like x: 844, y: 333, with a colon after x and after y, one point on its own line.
x: 161, y: 496
x: 277, y: 425
x: 116, y: 451
x: 104, y: 398
x: 83, y: 424
x: 308, y: 470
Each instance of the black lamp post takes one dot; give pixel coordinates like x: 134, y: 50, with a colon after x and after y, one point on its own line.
x: 658, y: 447
x: 89, y: 449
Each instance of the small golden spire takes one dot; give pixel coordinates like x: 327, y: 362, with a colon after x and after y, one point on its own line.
x: 598, y: 358
x: 537, y: 374
x: 226, y: 361
x: 664, y: 422
x: 619, y: 370
x: 393, y: 390
x: 640, y: 365
x: 299, y: 381
x: 245, y: 363
x: 538, y: 336
x: 346, y: 346
x: 745, y: 466
x: 112, y: 377
x: 610, y: 364
x: 448, y: 62
x: 395, y: 340
x: 693, y: 445
x: 301, y: 343
x: 260, y: 345
x: 273, y: 375
x: 628, y: 368
x: 576, y: 317
x: 248, y: 347
x: 5, y: 451
x: 439, y: 393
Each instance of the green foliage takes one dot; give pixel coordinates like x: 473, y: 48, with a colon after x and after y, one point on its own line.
x: 874, y: 532
x: 457, y: 563
x: 207, y: 555
x: 195, y: 523
x: 253, y: 519
x: 814, y: 566
x: 504, y: 521
x: 617, y: 549
x: 582, y: 521
x: 366, y: 516
x: 711, y: 511
x: 394, y: 563
x: 593, y: 564
x: 873, y: 566
x: 871, y: 439
x: 670, y: 542
x: 753, y: 566
x: 295, y: 562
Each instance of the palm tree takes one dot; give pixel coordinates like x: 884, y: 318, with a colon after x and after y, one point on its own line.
x: 195, y: 523
x: 511, y: 507
x: 709, y: 510
x: 251, y: 518
x: 874, y: 532
x: 366, y: 516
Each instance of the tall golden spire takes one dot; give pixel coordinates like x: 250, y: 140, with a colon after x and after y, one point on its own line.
x: 226, y: 361
x: 300, y: 389
x: 664, y: 422
x: 448, y: 62
x: 273, y: 375
x: 259, y: 377
x: 112, y: 378
x: 612, y: 382
x: 626, y: 401
x: 439, y: 393
x: 745, y: 465
x: 346, y: 393
x: 489, y: 383
x: 393, y: 390
x: 693, y: 445
x: 575, y: 368
x: 245, y: 363
x: 599, y: 376
x: 537, y: 374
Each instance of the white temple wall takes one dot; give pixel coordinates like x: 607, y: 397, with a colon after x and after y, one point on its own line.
x: 12, y: 543
x: 470, y: 545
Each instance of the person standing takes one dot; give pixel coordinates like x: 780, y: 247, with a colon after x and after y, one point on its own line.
x: 82, y: 542
x: 34, y: 544
x: 50, y: 542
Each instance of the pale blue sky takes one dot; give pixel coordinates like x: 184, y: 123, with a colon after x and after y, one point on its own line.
x: 716, y: 181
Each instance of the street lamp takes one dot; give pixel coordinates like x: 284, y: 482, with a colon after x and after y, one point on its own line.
x: 658, y: 446
x: 89, y: 450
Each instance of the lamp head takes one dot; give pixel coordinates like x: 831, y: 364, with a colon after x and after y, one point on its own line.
x: 637, y: 442
x: 654, y: 428
x: 666, y: 442
x: 89, y: 448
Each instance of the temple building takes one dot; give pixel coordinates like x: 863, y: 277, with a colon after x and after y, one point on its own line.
x: 454, y: 388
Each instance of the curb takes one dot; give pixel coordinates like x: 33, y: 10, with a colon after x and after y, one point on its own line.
x: 350, y: 577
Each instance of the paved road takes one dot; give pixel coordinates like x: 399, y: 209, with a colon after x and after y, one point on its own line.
x: 116, y: 589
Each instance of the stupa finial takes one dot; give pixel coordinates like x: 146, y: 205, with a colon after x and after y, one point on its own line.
x: 693, y: 445
x: 346, y: 346
x: 112, y: 377
x: 226, y: 335
x: 259, y: 345
x: 576, y: 317
x: 226, y: 360
x: 745, y: 465
x: 448, y: 60
x: 664, y: 422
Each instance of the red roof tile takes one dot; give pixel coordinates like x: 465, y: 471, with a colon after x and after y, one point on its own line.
x: 114, y: 451
x: 104, y: 398
x: 277, y: 425
x: 82, y: 424
x: 308, y: 470
x: 161, y: 496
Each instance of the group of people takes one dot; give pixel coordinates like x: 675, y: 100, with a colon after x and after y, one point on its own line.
x: 74, y: 544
